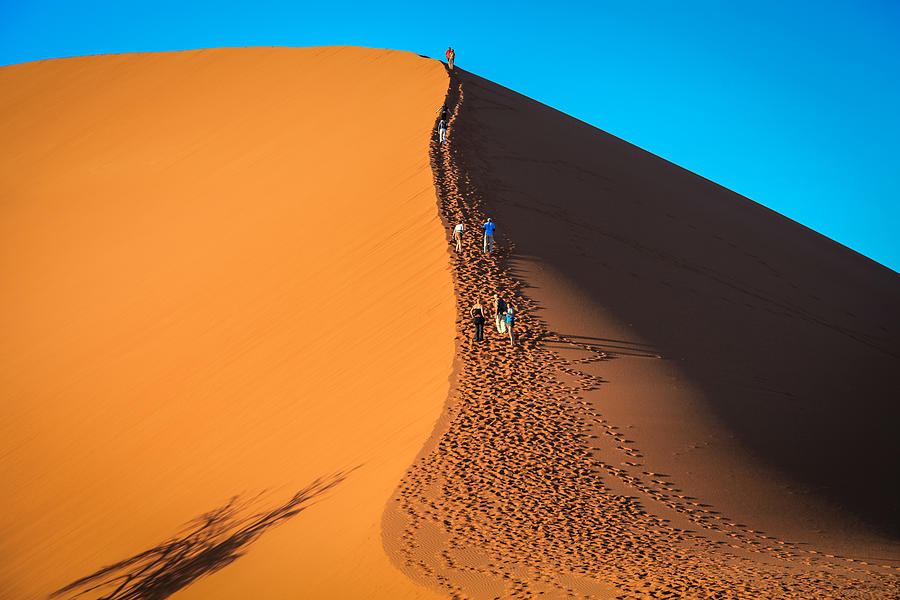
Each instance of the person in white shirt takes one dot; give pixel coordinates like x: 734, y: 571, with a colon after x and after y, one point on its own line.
x: 457, y: 235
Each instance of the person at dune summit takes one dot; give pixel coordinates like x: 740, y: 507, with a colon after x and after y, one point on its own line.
x: 477, y: 312
x: 451, y: 54
x: 442, y: 130
x: 510, y: 317
x: 457, y: 235
x: 489, y: 228
x: 500, y: 313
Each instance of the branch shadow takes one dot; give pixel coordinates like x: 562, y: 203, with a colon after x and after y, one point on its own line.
x: 207, y: 544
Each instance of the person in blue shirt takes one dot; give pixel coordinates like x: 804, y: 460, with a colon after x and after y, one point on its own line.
x: 489, y: 228
x: 510, y: 321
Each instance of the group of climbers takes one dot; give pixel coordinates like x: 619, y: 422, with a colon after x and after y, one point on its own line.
x: 504, y: 318
x: 489, y: 227
x: 504, y: 313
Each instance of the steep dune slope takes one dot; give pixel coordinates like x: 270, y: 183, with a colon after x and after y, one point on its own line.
x: 699, y: 403
x: 223, y: 273
x: 788, y: 340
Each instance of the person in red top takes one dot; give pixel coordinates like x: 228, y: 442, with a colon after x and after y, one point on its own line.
x: 450, y: 56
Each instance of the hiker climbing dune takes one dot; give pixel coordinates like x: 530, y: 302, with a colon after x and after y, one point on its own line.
x: 477, y: 313
x: 457, y: 236
x: 489, y: 228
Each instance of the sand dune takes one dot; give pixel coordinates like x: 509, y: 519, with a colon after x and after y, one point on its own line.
x: 223, y: 273
x: 788, y: 339
x: 699, y: 405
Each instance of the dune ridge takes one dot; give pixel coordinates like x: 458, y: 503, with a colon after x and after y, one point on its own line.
x: 528, y: 488
x: 775, y: 338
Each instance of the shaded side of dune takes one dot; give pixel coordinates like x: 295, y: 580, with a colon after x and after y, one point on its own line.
x: 793, y: 339
x: 528, y: 486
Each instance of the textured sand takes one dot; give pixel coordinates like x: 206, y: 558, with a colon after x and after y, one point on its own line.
x: 689, y: 366
x: 773, y: 335
x: 223, y: 273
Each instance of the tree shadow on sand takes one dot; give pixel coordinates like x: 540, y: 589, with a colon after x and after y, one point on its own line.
x: 205, y: 545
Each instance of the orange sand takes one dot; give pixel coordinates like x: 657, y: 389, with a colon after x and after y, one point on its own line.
x: 223, y: 272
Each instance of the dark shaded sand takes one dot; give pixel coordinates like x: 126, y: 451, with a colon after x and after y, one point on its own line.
x: 700, y: 405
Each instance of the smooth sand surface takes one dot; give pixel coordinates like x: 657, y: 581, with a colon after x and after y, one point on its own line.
x: 700, y: 403
x: 223, y: 273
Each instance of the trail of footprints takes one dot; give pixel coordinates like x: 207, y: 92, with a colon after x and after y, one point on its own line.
x: 519, y: 498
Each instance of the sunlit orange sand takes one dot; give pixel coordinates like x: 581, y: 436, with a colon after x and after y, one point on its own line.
x: 223, y: 273
x: 237, y: 361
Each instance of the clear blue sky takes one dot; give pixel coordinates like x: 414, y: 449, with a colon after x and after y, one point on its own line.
x: 795, y: 104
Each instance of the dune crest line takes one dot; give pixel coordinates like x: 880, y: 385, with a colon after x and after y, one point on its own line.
x: 518, y: 494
